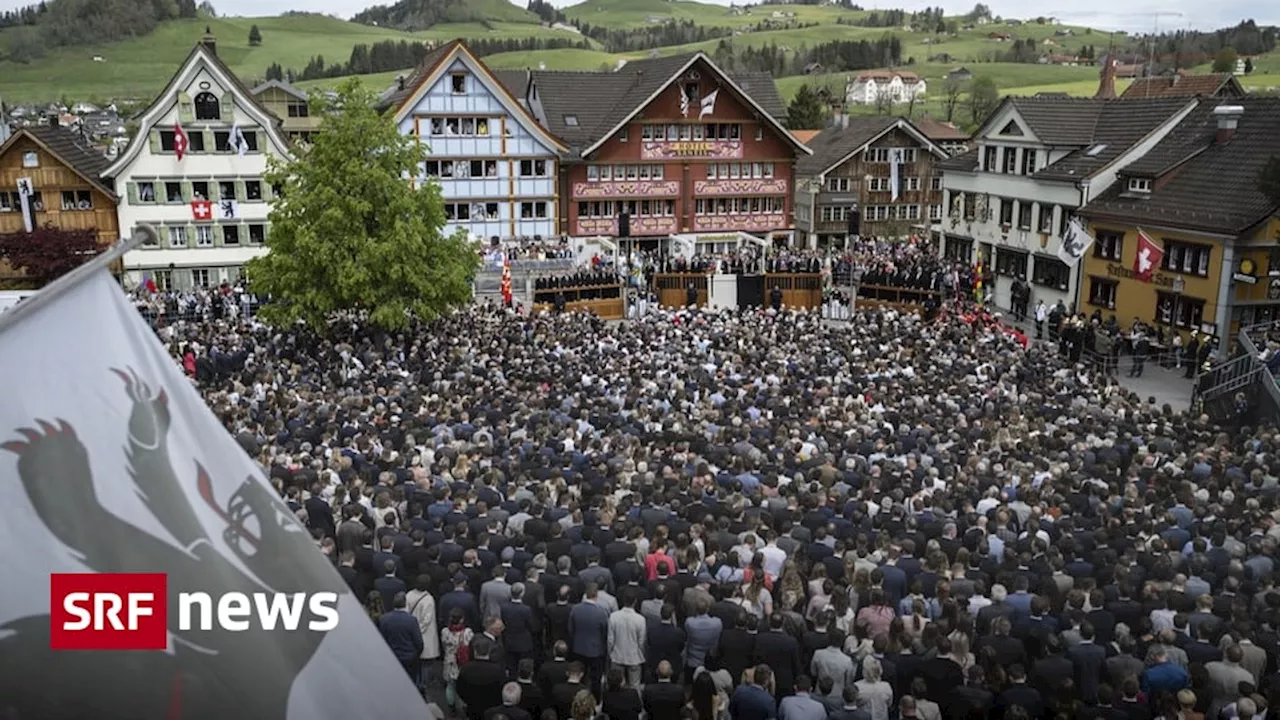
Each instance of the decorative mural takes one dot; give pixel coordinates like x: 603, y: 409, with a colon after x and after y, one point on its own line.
x: 681, y: 149
x: 757, y: 222
x: 639, y: 226
x: 775, y: 186
x: 627, y: 188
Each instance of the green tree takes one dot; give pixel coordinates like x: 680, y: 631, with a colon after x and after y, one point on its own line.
x: 255, y: 36
x: 1269, y: 179
x: 984, y: 96
x: 1225, y: 60
x: 349, y: 231
x: 805, y: 111
x: 1248, y: 66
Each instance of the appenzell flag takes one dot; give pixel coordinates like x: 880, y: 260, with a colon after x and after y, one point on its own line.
x: 112, y: 464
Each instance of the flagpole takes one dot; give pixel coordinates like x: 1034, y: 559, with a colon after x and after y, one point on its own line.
x: 56, y: 288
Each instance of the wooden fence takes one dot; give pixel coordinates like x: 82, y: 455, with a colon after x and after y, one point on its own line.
x: 610, y: 307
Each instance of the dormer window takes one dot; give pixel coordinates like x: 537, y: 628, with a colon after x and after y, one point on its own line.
x: 1139, y: 185
x: 571, y: 120
x: 459, y: 83
x: 207, y: 107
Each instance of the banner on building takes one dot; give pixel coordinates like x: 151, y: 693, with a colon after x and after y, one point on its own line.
x: 896, y: 156
x: 26, y: 196
x: 1075, y: 242
x: 115, y: 466
x: 228, y: 210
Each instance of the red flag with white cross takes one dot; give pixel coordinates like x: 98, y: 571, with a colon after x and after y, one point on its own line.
x: 1148, y: 257
x: 202, y: 209
x: 179, y: 141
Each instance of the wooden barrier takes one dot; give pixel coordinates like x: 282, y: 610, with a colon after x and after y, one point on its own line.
x: 902, y: 299
x: 672, y: 289
x: 799, y: 290
x: 607, y: 308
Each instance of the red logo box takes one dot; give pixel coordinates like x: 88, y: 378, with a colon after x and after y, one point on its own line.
x: 108, y: 611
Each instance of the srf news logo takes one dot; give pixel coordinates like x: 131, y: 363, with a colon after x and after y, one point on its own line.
x: 130, y: 611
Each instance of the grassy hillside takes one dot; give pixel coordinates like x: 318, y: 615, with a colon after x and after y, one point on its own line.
x: 624, y: 14
x: 140, y: 67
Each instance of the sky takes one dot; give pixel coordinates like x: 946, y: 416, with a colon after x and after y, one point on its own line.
x: 1140, y: 17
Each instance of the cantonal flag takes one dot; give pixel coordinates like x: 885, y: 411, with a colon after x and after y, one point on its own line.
x: 112, y: 462
x: 1148, y: 257
x: 202, y: 209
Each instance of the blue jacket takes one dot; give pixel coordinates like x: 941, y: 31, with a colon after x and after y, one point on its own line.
x: 403, y: 635
x: 751, y: 702
x: 1165, y: 676
x: 589, y: 630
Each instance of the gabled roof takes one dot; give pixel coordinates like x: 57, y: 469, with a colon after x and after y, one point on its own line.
x: 1097, y: 131
x: 1201, y: 184
x: 437, y: 61
x: 835, y: 145
x: 602, y: 103
x: 200, y: 54
x: 937, y: 130
x: 65, y: 145
x: 280, y: 85
x: 398, y: 92
x: 1186, y: 85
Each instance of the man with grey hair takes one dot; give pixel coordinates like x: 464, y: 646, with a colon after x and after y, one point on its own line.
x: 999, y: 608
x: 510, y: 707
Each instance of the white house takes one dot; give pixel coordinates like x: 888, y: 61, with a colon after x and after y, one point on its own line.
x: 1037, y: 160
x: 497, y: 167
x: 202, y: 243
x: 867, y: 87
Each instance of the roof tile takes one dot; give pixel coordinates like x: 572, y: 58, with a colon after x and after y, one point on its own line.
x: 1183, y: 85
x: 833, y: 143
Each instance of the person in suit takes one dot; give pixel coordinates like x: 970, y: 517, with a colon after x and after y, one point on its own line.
x: 621, y: 701
x: 849, y: 710
x: 775, y: 298
x: 510, y: 707
x: 970, y: 701
x: 563, y: 693
x: 589, y: 634
x: 389, y: 585
x: 754, y: 700
x: 480, y: 681
x: 664, y: 698
x: 737, y: 645
x: 557, y: 614
x: 554, y: 671
x: 403, y: 635
x: 1087, y: 659
x: 801, y: 706
x: 941, y: 672
x: 1048, y: 672
x: 532, y: 698
x: 627, y: 639
x: 494, y: 593
x: 781, y: 652
x: 1019, y: 693
x: 463, y: 600
x: 702, y: 637
x: 832, y: 662
x: 520, y: 629
x: 493, y: 628
x: 319, y: 514
x: 665, y: 641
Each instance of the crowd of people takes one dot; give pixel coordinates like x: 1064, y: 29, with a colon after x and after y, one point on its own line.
x: 763, y: 515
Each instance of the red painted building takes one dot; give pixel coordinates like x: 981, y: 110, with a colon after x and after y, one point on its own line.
x: 674, y: 143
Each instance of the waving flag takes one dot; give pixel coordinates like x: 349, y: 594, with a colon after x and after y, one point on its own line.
x: 709, y: 104
x: 180, y: 143
x: 238, y: 141
x: 117, y: 474
x: 684, y: 102
x: 1075, y: 241
x: 1148, y: 257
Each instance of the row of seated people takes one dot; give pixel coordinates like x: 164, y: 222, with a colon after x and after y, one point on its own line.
x: 585, y: 284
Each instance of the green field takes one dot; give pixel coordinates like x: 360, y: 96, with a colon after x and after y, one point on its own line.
x: 139, y: 68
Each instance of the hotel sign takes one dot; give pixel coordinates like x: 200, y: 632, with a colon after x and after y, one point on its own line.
x: 626, y: 188
x: 639, y: 226
x: 756, y: 222
x: 1120, y: 271
x: 775, y: 186
x: 682, y: 149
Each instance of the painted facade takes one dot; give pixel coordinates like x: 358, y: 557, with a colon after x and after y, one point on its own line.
x: 157, y: 188
x: 727, y: 171
x: 496, y: 167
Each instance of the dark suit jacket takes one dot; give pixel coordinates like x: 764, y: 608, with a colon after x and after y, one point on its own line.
x: 551, y: 674
x: 589, y: 630
x: 513, y: 713
x: 403, y: 635
x: 462, y: 600
x: 1087, y: 659
x: 967, y: 703
x: 1202, y: 652
x: 388, y: 587
x: 532, y: 699
x: 781, y: 653
x: 665, y: 642
x: 663, y: 699
x: 1008, y: 649
x: 1047, y: 673
x: 737, y: 647
x: 1024, y: 695
x: 562, y: 697
x: 940, y: 676
x: 480, y: 686
x: 624, y: 704
x: 521, y: 627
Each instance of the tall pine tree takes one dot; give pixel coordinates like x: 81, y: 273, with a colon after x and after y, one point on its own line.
x: 805, y: 111
x: 255, y: 36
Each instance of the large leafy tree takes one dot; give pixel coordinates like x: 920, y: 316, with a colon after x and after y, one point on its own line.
x: 984, y: 96
x: 48, y: 252
x: 805, y: 111
x: 1225, y: 60
x: 349, y: 231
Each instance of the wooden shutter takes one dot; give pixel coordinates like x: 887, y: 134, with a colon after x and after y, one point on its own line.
x: 132, y: 190
x: 268, y: 192
x: 186, y: 108
x: 187, y: 192
x: 240, y: 196
x: 214, y: 190
x: 228, y: 107
x: 217, y: 236
x: 153, y: 138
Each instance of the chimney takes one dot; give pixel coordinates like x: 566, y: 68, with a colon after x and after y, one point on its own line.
x: 209, y: 41
x: 1107, y: 83
x: 54, y: 120
x: 1228, y: 117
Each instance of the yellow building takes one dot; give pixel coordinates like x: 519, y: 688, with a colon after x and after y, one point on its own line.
x: 1196, y: 196
x: 291, y: 105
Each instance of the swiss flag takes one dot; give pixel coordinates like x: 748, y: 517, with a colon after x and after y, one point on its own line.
x: 1148, y: 258
x: 179, y: 141
x: 202, y: 209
